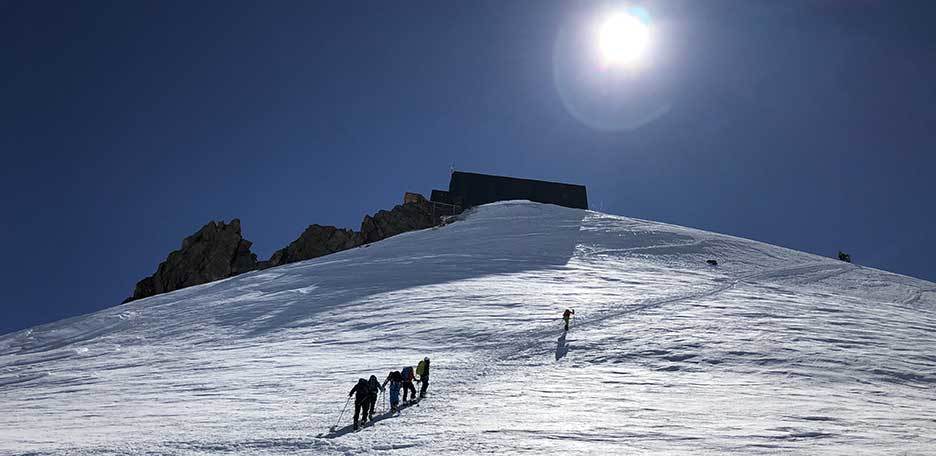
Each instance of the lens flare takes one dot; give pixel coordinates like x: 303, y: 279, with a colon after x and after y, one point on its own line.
x: 608, y: 68
x: 622, y: 39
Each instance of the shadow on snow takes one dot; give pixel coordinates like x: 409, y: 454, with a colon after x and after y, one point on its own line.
x: 335, y: 433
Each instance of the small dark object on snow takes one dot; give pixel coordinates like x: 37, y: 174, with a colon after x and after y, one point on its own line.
x: 844, y: 256
x: 712, y: 262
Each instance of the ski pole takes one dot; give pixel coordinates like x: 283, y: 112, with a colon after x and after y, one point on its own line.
x: 343, y: 410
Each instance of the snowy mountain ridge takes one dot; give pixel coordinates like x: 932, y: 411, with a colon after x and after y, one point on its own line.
x: 771, y: 351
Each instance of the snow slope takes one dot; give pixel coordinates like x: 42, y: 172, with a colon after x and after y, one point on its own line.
x: 773, y: 351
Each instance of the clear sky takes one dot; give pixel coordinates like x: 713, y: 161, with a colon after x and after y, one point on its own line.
x: 126, y: 126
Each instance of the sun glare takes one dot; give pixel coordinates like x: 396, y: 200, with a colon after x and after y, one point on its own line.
x: 622, y: 39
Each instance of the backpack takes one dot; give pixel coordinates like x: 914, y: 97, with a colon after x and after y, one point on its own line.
x: 373, y: 386
x: 422, y: 368
x: 408, y: 374
x: 362, y: 388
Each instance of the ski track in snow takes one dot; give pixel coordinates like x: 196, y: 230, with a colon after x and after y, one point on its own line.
x: 773, y: 351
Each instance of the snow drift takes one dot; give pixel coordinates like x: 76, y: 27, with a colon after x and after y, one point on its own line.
x: 771, y: 351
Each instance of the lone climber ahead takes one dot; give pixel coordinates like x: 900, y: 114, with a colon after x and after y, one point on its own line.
x: 422, y: 370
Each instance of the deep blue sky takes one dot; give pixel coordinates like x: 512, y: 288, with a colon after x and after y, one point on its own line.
x: 125, y: 126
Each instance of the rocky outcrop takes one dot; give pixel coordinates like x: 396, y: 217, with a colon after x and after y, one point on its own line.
x: 216, y: 251
x: 315, y: 241
x: 402, y: 218
x: 318, y: 240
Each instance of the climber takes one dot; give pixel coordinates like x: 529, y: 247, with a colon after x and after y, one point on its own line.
x: 374, y: 388
x: 566, y: 316
x: 422, y: 370
x: 407, y: 384
x: 361, y: 393
x: 395, y: 379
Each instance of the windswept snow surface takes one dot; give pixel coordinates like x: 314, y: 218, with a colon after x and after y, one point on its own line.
x: 772, y: 351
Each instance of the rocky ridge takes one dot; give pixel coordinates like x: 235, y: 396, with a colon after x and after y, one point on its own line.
x: 218, y: 250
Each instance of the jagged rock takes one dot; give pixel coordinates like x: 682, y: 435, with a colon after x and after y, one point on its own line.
x: 405, y: 217
x: 315, y: 241
x: 216, y: 251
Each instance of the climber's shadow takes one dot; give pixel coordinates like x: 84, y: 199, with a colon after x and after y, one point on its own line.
x: 562, y: 348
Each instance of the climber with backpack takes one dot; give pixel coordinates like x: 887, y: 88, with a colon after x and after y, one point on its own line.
x: 395, y: 379
x: 407, y: 383
x: 374, y: 388
x: 422, y: 370
x: 361, y: 392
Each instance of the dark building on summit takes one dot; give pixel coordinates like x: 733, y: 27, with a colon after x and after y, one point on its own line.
x: 467, y: 190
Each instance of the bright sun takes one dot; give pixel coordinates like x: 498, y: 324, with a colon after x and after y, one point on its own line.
x: 622, y: 39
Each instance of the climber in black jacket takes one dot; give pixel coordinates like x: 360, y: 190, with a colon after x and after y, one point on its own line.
x: 361, y: 401
x: 374, y: 387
